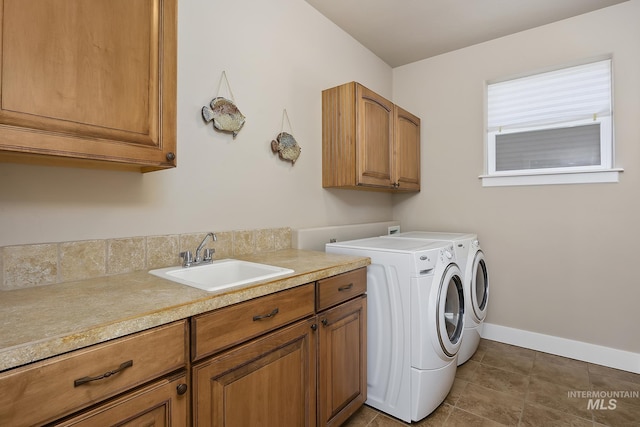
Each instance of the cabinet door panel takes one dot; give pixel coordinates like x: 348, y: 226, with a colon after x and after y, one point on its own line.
x: 269, y: 382
x: 407, y: 146
x: 375, y: 136
x: 342, y: 359
x: 89, y: 80
x: 75, y: 65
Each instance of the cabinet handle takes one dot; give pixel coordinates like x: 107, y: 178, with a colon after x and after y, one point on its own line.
x: 181, y: 389
x: 325, y: 322
x: 107, y: 374
x: 314, y: 327
x: 171, y: 156
x: 266, y: 316
x: 345, y: 288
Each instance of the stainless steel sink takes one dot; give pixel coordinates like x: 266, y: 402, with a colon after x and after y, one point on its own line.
x: 222, y: 274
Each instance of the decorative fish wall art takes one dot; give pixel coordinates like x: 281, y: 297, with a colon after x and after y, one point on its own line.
x: 285, y: 144
x: 223, y: 112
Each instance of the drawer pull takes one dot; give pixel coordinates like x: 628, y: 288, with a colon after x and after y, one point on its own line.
x: 84, y: 380
x: 345, y: 288
x: 266, y: 316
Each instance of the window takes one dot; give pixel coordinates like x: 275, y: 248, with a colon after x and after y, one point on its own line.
x: 551, y: 128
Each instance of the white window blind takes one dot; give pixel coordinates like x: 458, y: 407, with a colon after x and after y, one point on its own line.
x: 556, y: 97
x: 552, y: 122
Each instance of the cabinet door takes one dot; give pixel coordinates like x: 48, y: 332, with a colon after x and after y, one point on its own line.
x: 407, y: 150
x: 342, y: 360
x: 89, y: 81
x: 268, y: 382
x: 163, y: 403
x: 374, y: 137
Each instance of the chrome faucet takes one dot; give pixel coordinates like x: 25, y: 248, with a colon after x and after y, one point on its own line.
x: 208, y: 253
x: 188, y: 259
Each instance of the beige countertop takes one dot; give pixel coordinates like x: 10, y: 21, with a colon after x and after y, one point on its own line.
x: 44, y: 321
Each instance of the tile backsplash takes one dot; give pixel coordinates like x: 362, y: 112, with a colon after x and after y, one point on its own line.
x: 25, y: 266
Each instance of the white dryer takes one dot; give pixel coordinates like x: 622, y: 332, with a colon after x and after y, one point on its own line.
x: 475, y: 278
x: 415, y: 322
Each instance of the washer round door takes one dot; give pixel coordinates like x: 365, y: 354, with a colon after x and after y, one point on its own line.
x: 479, y: 295
x: 450, y: 310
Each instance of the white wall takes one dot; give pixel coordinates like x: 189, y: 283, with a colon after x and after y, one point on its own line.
x: 563, y: 258
x: 277, y: 54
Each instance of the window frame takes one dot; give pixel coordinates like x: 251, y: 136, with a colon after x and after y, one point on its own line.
x: 603, y: 172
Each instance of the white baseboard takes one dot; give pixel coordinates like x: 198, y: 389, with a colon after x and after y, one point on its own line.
x: 592, y: 353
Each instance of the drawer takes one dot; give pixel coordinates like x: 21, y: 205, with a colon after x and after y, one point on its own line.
x: 160, y: 403
x: 336, y: 289
x: 46, y: 390
x: 223, y: 328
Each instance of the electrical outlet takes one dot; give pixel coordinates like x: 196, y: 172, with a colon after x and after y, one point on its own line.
x: 393, y: 229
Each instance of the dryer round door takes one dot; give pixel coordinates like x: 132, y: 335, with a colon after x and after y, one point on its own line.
x: 450, y: 310
x: 479, y: 287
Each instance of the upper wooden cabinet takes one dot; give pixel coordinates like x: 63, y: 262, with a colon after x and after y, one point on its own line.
x: 89, y: 83
x: 368, y: 142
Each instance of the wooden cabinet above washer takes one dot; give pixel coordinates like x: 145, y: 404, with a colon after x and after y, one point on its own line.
x: 89, y: 83
x: 368, y: 143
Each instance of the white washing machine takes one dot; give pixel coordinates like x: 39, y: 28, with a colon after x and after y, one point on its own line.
x: 415, y: 322
x: 475, y: 279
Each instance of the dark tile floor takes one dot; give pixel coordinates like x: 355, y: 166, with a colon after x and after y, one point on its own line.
x: 504, y: 385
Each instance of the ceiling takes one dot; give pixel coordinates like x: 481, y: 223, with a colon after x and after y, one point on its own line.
x: 405, y: 31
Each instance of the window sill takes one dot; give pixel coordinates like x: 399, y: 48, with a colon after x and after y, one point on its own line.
x: 584, y: 177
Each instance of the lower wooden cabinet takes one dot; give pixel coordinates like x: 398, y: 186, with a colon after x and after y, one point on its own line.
x: 342, y: 361
x: 311, y: 372
x: 292, y: 358
x: 162, y: 404
x: 271, y: 381
x: 268, y: 382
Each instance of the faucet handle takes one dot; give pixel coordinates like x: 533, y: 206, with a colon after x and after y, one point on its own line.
x: 208, y: 254
x: 187, y: 258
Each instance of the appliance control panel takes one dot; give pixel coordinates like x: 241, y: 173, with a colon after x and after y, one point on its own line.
x: 447, y: 255
x: 425, y: 261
